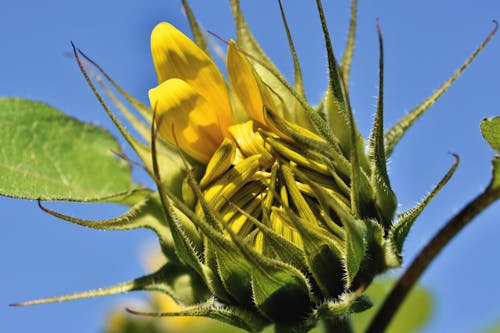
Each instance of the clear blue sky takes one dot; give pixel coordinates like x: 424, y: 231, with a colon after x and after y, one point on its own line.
x: 425, y: 42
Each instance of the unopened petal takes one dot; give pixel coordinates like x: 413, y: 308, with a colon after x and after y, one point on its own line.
x: 247, y: 85
x: 177, y: 56
x: 185, y: 118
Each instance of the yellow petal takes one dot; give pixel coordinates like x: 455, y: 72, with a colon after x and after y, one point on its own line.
x: 176, y: 56
x: 247, y: 85
x: 186, y: 118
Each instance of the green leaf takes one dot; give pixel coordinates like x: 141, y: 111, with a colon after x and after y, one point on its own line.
x: 48, y: 155
x: 490, y: 128
x: 413, y: 314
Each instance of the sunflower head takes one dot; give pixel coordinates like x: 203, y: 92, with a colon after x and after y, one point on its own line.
x: 268, y: 209
x: 290, y: 216
x: 284, y: 215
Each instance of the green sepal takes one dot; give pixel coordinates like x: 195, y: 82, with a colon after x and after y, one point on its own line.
x: 185, y: 248
x: 356, y: 234
x: 181, y: 283
x: 355, y: 240
x: 355, y: 247
x: 336, y: 103
x: 346, y: 61
x: 347, y: 303
x: 273, y: 78
x: 129, y: 198
x: 172, y: 168
x: 233, y: 270
x: 166, y: 154
x: 143, y: 214
x: 375, y: 262
x: 396, y: 132
x: 146, y: 213
x: 339, y: 123
x: 305, y: 139
x: 140, y: 107
x: 231, y: 315
x: 324, y: 197
x: 385, y: 199
x: 301, y: 205
x: 267, y: 70
x: 362, y: 203
x: 245, y: 38
x: 287, y: 251
x: 212, y: 276
x: 323, y: 256
x: 280, y: 291
x: 300, y: 116
x: 400, y: 229
x: 490, y: 128
x: 141, y: 126
x: 177, y: 281
x: 198, y: 35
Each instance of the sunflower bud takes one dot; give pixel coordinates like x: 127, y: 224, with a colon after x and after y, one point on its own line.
x: 296, y: 216
x: 282, y: 216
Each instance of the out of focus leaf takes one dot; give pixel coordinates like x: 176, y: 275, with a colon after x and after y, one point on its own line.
x: 495, y: 328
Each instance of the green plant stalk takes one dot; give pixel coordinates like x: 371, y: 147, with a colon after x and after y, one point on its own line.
x: 404, y: 285
x: 340, y: 324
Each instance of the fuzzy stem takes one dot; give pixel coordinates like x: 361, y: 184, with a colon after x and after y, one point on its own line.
x: 340, y: 324
x: 426, y: 256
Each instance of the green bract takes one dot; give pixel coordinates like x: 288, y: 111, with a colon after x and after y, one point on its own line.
x: 290, y: 217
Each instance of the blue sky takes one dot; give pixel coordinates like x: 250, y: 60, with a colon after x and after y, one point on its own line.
x: 425, y: 42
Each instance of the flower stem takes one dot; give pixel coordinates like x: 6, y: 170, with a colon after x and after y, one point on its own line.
x: 340, y: 324
x: 427, y: 255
